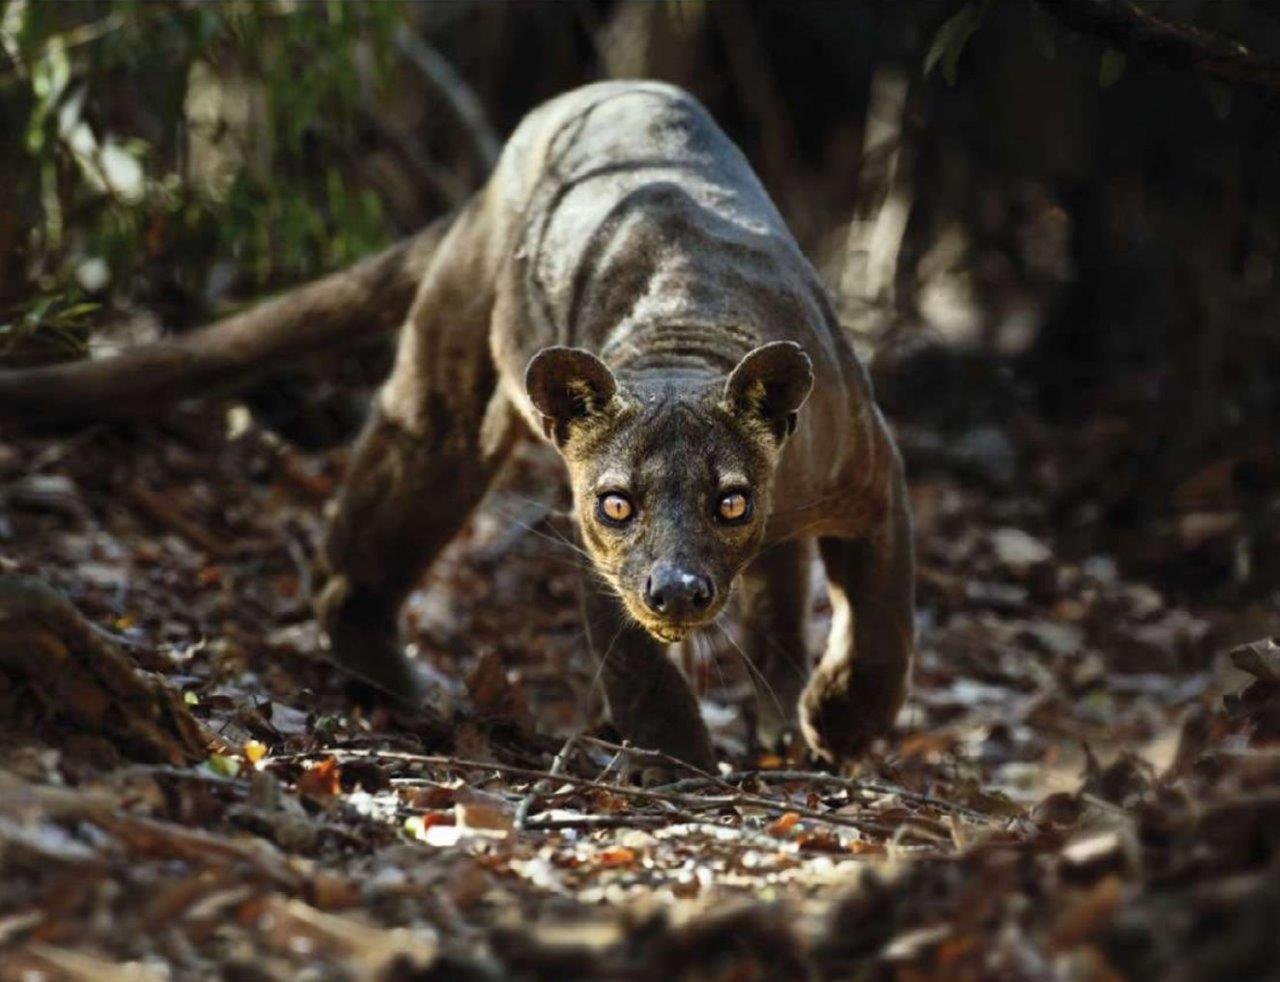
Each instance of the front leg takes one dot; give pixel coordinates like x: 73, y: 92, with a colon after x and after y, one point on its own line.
x: 859, y: 684
x: 775, y: 605
x: 649, y: 700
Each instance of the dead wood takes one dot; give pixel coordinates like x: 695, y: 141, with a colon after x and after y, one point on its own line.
x: 352, y: 306
x: 83, y: 680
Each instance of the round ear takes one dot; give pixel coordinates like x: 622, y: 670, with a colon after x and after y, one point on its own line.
x: 567, y: 385
x: 770, y: 385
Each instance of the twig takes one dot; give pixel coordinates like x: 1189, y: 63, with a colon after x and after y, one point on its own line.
x: 739, y: 799
x: 833, y: 780
x: 557, y: 766
x: 1170, y: 43
x: 609, y: 766
x: 710, y: 780
x: 595, y: 822
x: 461, y: 97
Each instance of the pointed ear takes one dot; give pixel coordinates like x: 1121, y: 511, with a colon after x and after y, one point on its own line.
x: 770, y: 384
x: 567, y: 385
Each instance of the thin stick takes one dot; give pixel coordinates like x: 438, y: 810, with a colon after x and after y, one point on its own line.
x: 833, y: 780
x: 595, y: 822
x: 737, y: 799
x: 557, y: 767
x: 626, y: 748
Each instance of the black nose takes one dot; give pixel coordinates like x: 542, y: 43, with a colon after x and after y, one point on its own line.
x: 676, y: 592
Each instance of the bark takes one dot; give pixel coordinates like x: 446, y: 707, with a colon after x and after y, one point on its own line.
x: 358, y: 304
x: 83, y: 681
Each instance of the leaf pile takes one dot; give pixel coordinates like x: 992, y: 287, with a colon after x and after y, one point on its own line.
x: 1068, y: 794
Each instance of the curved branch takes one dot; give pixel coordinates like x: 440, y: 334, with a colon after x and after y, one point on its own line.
x: 461, y: 97
x: 364, y: 301
x: 1174, y: 44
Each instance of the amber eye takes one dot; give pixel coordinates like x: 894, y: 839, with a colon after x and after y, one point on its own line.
x: 734, y: 506
x: 614, y: 508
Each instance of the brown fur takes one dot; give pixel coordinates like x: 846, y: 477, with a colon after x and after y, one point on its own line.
x: 624, y: 285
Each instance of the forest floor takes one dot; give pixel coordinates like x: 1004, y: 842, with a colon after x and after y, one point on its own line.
x: 1077, y: 787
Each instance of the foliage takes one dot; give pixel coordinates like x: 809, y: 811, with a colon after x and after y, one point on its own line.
x: 950, y: 40
x: 49, y: 326
x: 169, y: 138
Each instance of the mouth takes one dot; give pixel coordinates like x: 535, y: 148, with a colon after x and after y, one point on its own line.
x: 671, y: 633
x: 668, y: 635
x: 667, y: 631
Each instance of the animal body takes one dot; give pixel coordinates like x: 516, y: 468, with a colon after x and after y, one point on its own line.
x: 623, y: 287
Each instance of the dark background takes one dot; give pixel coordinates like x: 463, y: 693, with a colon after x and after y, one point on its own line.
x: 1063, y: 255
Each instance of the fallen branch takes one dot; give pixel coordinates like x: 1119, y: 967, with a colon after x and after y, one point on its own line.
x: 361, y: 303
x: 1129, y: 28
x: 594, y: 823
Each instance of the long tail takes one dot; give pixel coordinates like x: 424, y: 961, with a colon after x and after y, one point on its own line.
x: 355, y: 304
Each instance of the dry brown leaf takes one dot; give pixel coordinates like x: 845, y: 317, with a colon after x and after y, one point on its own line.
x: 493, y: 693
x: 783, y: 824
x: 321, y: 780
x: 1087, y: 918
x: 616, y: 856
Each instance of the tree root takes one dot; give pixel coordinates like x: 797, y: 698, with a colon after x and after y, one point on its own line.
x: 84, y: 682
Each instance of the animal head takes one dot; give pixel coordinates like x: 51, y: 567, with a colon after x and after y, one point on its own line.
x: 671, y: 478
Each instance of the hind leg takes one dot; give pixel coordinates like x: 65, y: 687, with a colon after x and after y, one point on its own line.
x: 775, y: 604
x: 423, y: 462
x: 406, y: 496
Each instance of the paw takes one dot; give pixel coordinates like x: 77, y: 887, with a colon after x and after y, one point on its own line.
x: 842, y: 712
x: 686, y: 741
x: 364, y: 642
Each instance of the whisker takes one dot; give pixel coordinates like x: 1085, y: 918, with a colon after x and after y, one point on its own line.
x: 711, y: 654
x: 595, y: 681
x: 753, y: 671
x: 553, y: 537
x: 800, y: 671
x: 811, y: 503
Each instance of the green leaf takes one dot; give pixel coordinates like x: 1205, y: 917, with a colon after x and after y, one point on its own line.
x: 949, y: 43
x: 80, y: 310
x: 1111, y: 68
x: 222, y: 765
